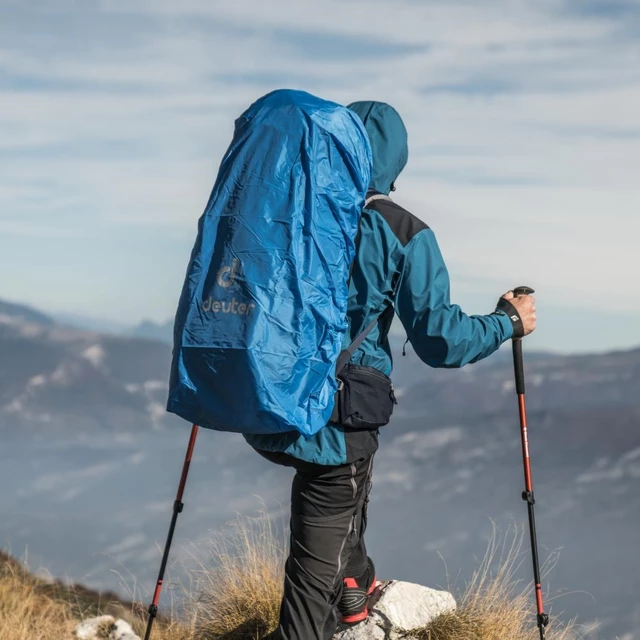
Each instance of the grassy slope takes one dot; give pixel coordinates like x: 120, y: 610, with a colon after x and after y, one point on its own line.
x: 35, y: 609
x: 239, y: 599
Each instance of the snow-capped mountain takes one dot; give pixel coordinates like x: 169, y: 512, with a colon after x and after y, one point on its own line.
x: 89, y: 461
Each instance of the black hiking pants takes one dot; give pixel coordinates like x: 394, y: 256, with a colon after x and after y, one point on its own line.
x: 328, y: 521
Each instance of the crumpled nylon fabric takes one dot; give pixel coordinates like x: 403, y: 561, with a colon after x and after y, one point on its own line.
x: 262, y: 315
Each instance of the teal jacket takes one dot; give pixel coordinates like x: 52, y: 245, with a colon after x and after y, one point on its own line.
x: 394, y: 247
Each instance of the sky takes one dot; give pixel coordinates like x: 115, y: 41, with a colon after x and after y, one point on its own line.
x: 524, y: 136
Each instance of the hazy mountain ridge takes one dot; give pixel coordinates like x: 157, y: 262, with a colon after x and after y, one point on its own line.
x: 11, y: 312
x: 450, y: 459
x: 65, y: 378
x: 154, y: 331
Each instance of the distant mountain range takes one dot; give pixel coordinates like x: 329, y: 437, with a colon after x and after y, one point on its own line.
x: 148, y: 329
x: 60, y: 378
x: 154, y: 331
x: 11, y: 313
x: 91, y: 460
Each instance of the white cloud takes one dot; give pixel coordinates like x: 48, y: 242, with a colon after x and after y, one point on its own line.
x: 405, y: 22
x: 522, y: 116
x: 578, y: 246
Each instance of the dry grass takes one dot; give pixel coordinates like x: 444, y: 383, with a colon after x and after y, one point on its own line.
x: 32, y: 608
x: 25, y: 612
x: 494, y: 605
x: 239, y: 598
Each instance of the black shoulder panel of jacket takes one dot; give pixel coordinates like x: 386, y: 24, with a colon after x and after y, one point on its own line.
x: 403, y: 223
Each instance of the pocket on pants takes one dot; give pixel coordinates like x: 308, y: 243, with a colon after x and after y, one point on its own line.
x: 320, y: 547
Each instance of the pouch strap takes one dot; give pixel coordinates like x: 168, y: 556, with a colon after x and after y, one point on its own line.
x: 347, y: 354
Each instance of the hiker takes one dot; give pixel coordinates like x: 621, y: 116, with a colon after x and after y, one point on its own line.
x: 300, y: 261
x: 398, y: 265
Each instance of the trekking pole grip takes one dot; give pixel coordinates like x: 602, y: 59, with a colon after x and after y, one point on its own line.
x: 518, y: 363
x: 522, y: 291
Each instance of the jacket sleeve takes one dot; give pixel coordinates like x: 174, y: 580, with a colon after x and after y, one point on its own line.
x: 440, y: 332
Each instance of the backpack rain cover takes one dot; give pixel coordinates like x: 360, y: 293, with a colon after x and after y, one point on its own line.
x: 262, y: 315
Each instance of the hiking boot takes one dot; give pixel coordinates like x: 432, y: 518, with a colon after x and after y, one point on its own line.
x: 355, y: 595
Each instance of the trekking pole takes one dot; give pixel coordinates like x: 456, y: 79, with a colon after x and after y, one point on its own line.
x: 527, y: 494
x: 177, y: 508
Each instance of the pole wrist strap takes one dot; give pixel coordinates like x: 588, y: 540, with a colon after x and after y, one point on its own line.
x: 511, y: 312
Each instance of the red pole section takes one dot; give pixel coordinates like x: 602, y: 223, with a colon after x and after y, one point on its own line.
x: 528, y: 482
x: 187, y: 462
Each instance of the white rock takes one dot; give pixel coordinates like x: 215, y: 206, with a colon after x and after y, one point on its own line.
x: 94, y: 628
x: 402, y: 607
x: 123, y: 631
x: 411, y: 606
x: 105, y: 628
x: 368, y: 629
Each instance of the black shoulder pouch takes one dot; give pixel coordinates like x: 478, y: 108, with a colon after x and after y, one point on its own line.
x: 365, y: 398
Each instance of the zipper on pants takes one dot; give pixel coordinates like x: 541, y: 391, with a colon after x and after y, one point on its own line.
x: 352, y: 522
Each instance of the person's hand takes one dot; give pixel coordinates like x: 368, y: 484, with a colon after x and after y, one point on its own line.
x: 526, y: 308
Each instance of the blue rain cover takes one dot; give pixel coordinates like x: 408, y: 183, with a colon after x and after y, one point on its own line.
x: 262, y: 315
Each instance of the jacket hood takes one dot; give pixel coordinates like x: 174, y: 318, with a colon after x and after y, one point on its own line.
x: 388, y: 138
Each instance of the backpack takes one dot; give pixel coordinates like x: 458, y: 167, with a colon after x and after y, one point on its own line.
x: 262, y: 315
